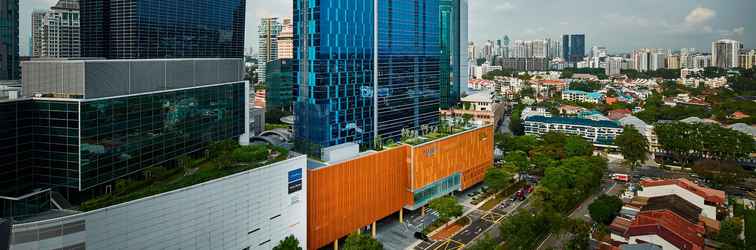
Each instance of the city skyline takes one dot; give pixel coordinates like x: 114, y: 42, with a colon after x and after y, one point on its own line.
x: 671, y: 24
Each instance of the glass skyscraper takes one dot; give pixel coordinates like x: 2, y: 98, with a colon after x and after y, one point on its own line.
x: 144, y: 29
x: 364, y: 69
x: 450, y: 79
x: 573, y: 47
x: 9, y: 69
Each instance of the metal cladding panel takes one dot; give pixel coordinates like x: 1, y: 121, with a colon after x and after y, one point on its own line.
x: 229, y: 70
x: 206, y: 72
x: 147, y: 76
x: 72, y: 78
x: 5, y: 231
x: 179, y: 74
x: 106, y: 79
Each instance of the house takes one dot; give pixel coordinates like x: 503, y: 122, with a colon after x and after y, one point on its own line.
x: 709, y: 200
x: 582, y: 96
x: 618, y: 114
x: 663, y: 228
x: 738, y: 115
x: 481, y: 105
x: 600, y: 133
x: 570, y: 110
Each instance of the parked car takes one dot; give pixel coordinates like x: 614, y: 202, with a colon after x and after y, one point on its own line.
x: 421, y: 236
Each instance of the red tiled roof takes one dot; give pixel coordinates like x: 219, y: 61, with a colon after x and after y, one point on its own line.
x: 710, y: 195
x: 669, y: 226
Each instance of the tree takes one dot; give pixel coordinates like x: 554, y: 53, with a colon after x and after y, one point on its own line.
x: 523, y: 230
x: 729, y: 233
x: 486, y: 243
x: 577, y: 146
x: 633, y: 145
x: 509, y: 143
x: 447, y: 207
x: 581, y: 235
x: 288, y: 243
x: 466, y: 118
x: 689, y: 142
x: 497, y: 179
x: 362, y: 242
x: 722, y: 173
x: 519, y: 159
x: 604, y: 209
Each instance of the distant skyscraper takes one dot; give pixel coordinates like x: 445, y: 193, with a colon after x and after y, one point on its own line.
x: 725, y: 53
x: 55, y: 33
x: 267, y: 35
x: 464, y: 59
x: 341, y: 96
x: 145, y: 29
x: 451, y: 52
x: 9, y: 68
x: 286, y: 40
x: 573, y: 48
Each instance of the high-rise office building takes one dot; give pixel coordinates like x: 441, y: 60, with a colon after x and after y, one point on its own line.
x: 452, y: 41
x: 55, y: 33
x: 573, y: 48
x: 364, y: 70
x: 464, y: 59
x: 144, y: 29
x: 9, y: 58
x: 285, y: 40
x: 267, y: 35
x: 725, y: 53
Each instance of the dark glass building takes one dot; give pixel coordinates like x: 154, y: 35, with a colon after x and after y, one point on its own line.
x: 98, y: 121
x: 364, y: 69
x: 451, y: 64
x: 144, y: 29
x: 279, y: 81
x: 573, y: 48
x: 9, y: 58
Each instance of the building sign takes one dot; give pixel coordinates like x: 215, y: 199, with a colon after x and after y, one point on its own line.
x: 295, y: 180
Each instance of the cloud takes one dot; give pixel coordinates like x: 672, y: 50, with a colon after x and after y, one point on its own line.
x: 505, y: 6
x: 700, y: 15
x: 735, y: 33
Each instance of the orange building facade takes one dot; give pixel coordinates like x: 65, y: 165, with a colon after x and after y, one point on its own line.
x: 346, y: 196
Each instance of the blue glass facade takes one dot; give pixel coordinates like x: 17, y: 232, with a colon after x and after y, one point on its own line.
x: 143, y: 29
x: 573, y: 48
x: 451, y: 64
x: 340, y: 98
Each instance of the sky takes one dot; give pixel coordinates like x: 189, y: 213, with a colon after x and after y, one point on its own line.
x: 619, y: 25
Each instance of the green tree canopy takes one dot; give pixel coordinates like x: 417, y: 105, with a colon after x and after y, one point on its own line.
x: 604, y: 209
x: 362, y: 242
x: 447, y: 207
x: 523, y: 230
x: 729, y: 233
x: 288, y: 243
x: 485, y: 243
x: 633, y: 145
x: 690, y: 142
x: 721, y: 173
x: 577, y: 146
x: 497, y: 178
x: 519, y: 159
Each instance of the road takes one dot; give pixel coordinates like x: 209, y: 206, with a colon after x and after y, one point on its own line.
x: 554, y: 241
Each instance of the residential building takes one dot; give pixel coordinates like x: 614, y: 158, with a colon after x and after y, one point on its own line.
x: 614, y: 66
x: 534, y: 111
x: 582, y: 96
x: 691, y: 73
x: 569, y: 110
x: 673, y: 62
x: 338, y: 103
x: 9, y: 57
x: 573, y: 48
x: 657, y: 61
x: 710, y: 201
x: 285, y: 40
x: 279, y: 82
x: 524, y: 64
x: 725, y: 53
x: 481, y: 106
x: 600, y: 133
x: 56, y: 31
x: 112, y: 29
x: 748, y: 59
x: 452, y: 40
x: 644, y: 129
x: 267, y: 35
x: 659, y: 227
x: 702, y: 61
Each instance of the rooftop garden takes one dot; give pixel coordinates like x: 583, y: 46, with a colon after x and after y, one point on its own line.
x: 223, y: 158
x: 445, y: 127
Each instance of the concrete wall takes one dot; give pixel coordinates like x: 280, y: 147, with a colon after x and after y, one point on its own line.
x: 252, y: 209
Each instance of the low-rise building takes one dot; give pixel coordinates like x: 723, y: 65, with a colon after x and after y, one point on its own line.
x: 569, y: 110
x: 481, y: 106
x: 709, y: 200
x: 600, y: 133
x: 659, y: 227
x: 582, y: 96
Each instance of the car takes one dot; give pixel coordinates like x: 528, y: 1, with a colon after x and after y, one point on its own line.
x: 421, y: 236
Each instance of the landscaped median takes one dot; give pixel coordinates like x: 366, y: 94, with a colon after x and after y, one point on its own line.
x: 225, y: 158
